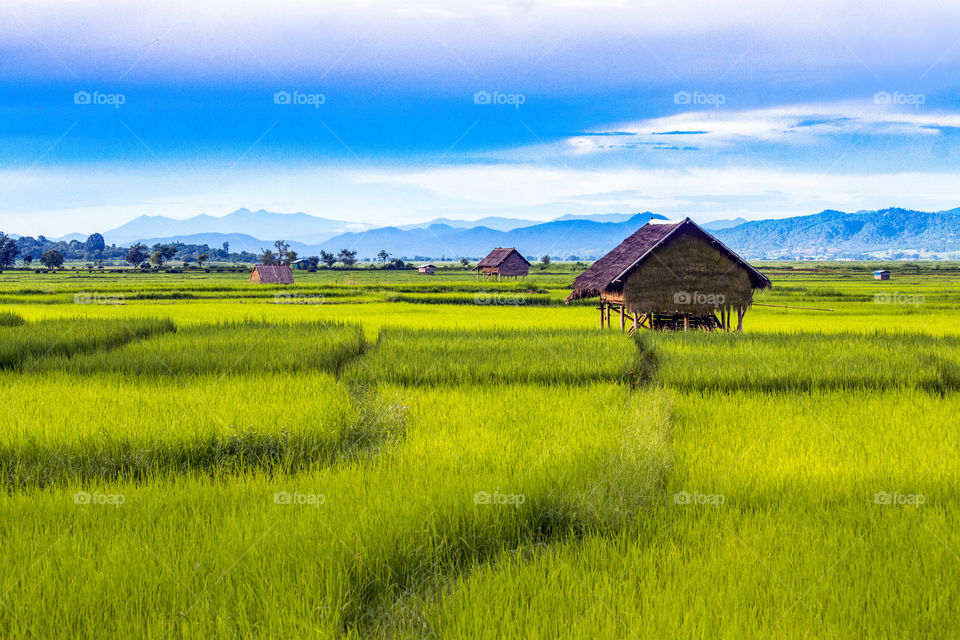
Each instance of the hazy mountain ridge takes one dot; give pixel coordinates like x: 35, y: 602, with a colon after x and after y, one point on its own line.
x: 259, y: 224
x: 830, y: 234
x: 834, y: 234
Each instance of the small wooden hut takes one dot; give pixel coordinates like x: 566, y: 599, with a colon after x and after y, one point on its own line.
x: 883, y: 274
x: 271, y: 274
x: 671, y: 275
x: 503, y: 262
x: 426, y: 269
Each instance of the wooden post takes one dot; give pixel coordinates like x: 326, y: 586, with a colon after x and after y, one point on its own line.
x: 686, y: 322
x: 601, y: 315
x: 740, y: 312
x: 622, y: 319
x: 636, y: 321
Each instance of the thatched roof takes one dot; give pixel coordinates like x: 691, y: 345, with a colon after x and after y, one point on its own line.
x: 497, y: 256
x: 634, y: 251
x: 274, y: 274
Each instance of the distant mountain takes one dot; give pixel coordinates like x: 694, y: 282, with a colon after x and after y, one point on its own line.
x: 259, y: 224
x: 887, y: 233
x: 716, y: 225
x: 597, y: 217
x: 72, y: 236
x: 493, y: 222
x: 582, y: 238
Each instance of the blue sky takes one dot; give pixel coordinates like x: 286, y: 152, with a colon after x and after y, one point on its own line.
x: 393, y: 112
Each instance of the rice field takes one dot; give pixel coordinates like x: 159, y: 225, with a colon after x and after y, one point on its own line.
x: 366, y: 454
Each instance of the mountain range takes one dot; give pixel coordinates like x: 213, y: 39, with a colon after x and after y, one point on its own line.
x: 887, y: 233
x: 304, y: 228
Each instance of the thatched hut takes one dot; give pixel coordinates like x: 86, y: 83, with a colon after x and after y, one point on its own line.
x: 671, y: 275
x: 503, y: 262
x: 271, y: 274
x: 426, y: 269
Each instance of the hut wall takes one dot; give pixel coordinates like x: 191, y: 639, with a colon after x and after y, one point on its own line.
x: 514, y: 265
x: 687, y: 275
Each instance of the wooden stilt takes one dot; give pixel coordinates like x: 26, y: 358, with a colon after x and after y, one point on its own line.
x: 622, y: 319
x: 686, y: 322
x: 636, y: 321
x: 601, y: 315
x: 740, y: 313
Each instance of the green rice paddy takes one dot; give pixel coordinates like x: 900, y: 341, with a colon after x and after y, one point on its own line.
x: 380, y: 454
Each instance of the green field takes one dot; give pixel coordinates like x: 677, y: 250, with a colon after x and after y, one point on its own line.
x: 371, y: 453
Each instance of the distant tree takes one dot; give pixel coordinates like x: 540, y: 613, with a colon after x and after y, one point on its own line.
x: 9, y: 250
x: 544, y: 262
x: 201, y: 259
x: 226, y: 247
x: 289, y: 258
x: 94, y: 246
x: 267, y: 257
x: 162, y: 253
x: 327, y: 258
x: 347, y: 257
x: 27, y: 259
x: 313, y: 262
x: 464, y: 263
x: 52, y: 259
x: 137, y: 254
x: 384, y: 256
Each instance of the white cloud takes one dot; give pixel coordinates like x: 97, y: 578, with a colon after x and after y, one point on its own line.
x: 794, y: 124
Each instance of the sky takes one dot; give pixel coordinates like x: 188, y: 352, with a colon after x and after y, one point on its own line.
x: 399, y: 112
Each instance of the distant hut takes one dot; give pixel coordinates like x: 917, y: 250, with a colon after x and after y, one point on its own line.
x: 503, y: 262
x: 271, y: 274
x: 883, y: 274
x: 426, y: 269
x: 671, y: 275
x: 300, y: 265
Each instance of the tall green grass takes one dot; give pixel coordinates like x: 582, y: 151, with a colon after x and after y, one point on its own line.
x: 805, y: 362
x: 58, y: 428
x: 798, y: 543
x: 327, y: 551
x: 8, y: 319
x: 23, y: 343
x: 251, y: 346
x: 508, y: 356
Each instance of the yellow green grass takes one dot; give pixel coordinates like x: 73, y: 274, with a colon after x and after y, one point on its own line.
x: 205, y: 458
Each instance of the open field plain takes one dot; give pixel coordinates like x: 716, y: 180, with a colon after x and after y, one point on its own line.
x: 377, y: 453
